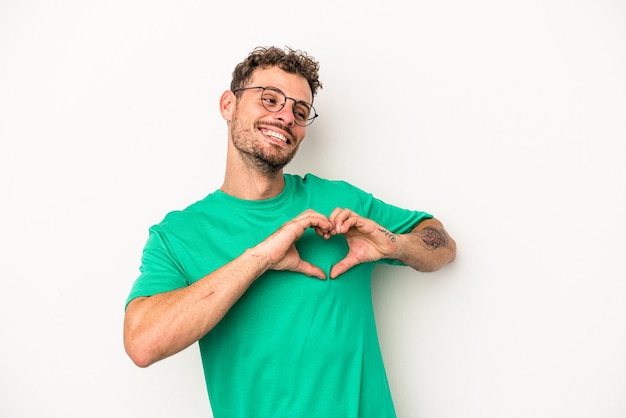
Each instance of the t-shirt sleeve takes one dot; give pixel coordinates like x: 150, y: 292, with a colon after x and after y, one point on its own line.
x: 160, y: 271
x: 395, y: 219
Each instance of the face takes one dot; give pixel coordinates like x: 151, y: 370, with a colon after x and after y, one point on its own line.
x: 268, y: 141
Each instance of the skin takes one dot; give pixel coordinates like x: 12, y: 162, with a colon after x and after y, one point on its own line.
x: 260, y: 144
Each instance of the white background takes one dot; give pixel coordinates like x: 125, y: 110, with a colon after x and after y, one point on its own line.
x: 507, y: 120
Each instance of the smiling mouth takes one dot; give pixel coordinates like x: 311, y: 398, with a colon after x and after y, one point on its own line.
x: 275, y: 135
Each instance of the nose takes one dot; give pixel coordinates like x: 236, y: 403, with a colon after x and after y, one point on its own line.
x: 285, y: 114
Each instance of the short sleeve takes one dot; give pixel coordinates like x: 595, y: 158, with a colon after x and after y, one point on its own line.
x: 160, y: 271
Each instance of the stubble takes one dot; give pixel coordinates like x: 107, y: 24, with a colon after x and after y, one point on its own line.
x: 267, y: 161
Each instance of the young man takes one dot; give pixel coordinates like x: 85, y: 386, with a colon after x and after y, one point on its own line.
x: 272, y: 272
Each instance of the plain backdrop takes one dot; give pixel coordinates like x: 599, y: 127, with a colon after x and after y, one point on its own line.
x: 507, y: 120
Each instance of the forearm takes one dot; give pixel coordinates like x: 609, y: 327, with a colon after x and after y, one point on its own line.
x: 158, y: 326
x: 428, y: 247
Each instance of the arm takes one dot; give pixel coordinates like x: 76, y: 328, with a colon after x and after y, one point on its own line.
x: 428, y: 247
x: 159, y: 326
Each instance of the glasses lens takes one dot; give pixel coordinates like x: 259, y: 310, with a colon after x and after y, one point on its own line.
x: 274, y: 100
x: 301, y: 113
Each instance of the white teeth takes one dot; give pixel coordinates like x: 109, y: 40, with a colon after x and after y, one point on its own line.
x: 275, y: 135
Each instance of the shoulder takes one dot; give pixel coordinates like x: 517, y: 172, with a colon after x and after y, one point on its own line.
x: 324, y: 195
x: 313, y: 181
x: 191, y: 214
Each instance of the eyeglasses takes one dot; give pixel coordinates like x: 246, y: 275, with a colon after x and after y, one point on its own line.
x: 273, y: 100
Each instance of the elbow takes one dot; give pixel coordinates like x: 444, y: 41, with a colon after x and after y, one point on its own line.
x: 437, y: 247
x: 139, y: 359
x: 451, y: 250
x: 449, y: 255
x: 137, y: 351
x: 138, y: 344
x: 444, y: 256
x: 430, y: 267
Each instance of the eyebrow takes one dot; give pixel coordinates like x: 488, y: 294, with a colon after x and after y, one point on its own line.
x: 287, y: 97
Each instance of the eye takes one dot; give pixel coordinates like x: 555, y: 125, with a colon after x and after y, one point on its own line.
x: 301, y: 111
x: 272, y: 100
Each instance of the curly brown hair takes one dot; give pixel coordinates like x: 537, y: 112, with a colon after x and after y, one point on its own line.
x: 290, y: 60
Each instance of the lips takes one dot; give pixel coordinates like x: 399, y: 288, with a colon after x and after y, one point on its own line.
x: 274, y: 134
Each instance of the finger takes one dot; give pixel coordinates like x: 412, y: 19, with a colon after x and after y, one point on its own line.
x: 298, y: 225
x: 322, y: 226
x: 352, y: 221
x: 325, y: 233
x: 338, y: 217
x: 310, y: 213
x: 310, y: 218
x: 346, y: 220
x: 306, y: 214
x: 334, y: 213
x: 311, y: 270
x: 341, y: 267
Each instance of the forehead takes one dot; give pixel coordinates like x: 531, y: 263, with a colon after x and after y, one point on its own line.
x: 293, y: 85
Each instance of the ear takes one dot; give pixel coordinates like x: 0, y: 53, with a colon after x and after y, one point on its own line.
x: 227, y: 104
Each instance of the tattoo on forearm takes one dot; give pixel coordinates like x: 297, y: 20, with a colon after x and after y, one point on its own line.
x: 432, y: 238
x: 391, y: 236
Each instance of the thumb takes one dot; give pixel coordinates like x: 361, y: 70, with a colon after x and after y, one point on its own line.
x: 341, y: 267
x: 311, y: 270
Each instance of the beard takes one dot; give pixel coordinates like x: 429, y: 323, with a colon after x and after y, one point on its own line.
x: 261, y: 159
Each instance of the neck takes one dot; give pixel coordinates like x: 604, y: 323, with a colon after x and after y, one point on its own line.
x: 249, y: 184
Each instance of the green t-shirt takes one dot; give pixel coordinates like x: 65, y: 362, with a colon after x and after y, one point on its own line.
x: 293, y: 345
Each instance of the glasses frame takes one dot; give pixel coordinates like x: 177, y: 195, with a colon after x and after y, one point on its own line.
x: 282, y: 106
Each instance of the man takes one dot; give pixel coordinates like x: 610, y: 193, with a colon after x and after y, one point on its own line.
x: 272, y: 272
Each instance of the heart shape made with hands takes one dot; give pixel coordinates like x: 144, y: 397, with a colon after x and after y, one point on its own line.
x: 366, y: 241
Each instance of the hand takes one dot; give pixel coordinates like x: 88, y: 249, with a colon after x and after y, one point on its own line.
x: 279, y: 248
x: 367, y: 241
